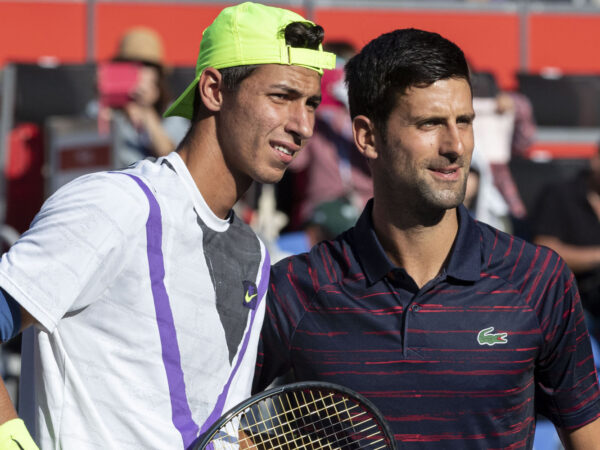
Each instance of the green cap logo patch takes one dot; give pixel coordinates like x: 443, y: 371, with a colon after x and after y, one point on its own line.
x: 486, y: 337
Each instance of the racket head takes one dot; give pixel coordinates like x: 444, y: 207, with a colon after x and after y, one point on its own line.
x: 309, y: 414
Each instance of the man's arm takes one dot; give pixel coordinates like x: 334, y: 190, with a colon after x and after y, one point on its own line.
x: 283, y: 309
x: 13, y: 433
x: 578, y: 258
x: 567, y: 390
x: 585, y: 438
x: 7, y: 409
x: 27, y: 320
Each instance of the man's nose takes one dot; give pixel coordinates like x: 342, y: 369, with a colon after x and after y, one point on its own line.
x: 301, y: 121
x: 453, y: 140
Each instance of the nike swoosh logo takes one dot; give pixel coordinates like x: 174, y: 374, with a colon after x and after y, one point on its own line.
x: 248, y: 298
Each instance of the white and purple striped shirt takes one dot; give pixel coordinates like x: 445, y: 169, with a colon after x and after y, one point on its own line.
x: 149, y: 310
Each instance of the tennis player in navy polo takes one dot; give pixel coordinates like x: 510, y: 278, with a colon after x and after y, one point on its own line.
x: 459, y: 333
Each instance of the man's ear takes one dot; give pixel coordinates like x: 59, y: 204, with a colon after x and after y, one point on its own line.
x: 209, y: 89
x: 364, y: 136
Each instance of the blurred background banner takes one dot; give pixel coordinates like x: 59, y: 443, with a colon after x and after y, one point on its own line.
x: 536, y: 84
x: 501, y: 36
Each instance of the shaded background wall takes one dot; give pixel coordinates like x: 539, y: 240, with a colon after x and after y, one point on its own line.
x: 502, y: 37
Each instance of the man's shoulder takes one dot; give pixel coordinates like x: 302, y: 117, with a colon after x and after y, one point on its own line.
x: 96, y: 200
x: 325, y: 257
x: 516, y: 259
x: 98, y: 187
x: 294, y: 262
x: 160, y: 175
x: 495, y: 240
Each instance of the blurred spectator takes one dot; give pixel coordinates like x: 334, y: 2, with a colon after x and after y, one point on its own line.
x: 330, y: 219
x: 566, y: 218
x: 137, y: 125
x: 329, y: 167
x: 524, y: 127
x: 504, y: 127
x: 472, y: 189
x: 482, y: 198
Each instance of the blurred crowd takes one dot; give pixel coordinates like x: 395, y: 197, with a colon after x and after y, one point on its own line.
x: 134, y: 110
x: 328, y: 184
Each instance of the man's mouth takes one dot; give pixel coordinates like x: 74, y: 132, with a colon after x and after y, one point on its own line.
x: 283, y: 149
x: 446, y: 173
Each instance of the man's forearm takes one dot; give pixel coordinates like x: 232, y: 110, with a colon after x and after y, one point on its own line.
x: 7, y: 409
x: 13, y: 433
x: 578, y: 258
x: 584, y: 438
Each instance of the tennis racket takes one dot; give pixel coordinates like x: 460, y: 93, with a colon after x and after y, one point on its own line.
x: 305, y: 415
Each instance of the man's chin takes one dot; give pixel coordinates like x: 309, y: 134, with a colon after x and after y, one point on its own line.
x: 450, y: 204
x: 443, y: 203
x: 271, y: 178
x: 450, y: 198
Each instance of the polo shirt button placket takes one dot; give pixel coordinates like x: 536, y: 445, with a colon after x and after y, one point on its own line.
x: 412, y: 307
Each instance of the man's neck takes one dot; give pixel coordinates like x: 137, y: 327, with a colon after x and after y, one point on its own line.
x: 214, y: 179
x: 419, y: 246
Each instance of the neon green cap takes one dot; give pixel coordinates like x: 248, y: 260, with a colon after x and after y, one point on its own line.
x: 247, y: 34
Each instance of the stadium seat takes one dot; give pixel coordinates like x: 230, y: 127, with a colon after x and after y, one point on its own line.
x: 41, y: 92
x: 554, y: 99
x: 563, y: 101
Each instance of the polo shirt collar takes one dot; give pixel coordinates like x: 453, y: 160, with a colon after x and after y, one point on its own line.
x: 368, y: 249
x: 465, y: 257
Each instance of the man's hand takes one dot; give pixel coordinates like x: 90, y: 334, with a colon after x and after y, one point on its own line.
x: 14, y: 436
x: 146, y: 118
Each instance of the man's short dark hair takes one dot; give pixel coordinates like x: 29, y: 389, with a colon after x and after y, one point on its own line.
x: 297, y: 34
x: 390, y: 64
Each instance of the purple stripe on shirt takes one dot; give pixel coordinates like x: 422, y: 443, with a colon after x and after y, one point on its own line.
x: 262, y: 289
x: 180, y: 409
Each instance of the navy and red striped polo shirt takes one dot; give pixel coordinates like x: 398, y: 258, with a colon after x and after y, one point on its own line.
x: 464, y: 362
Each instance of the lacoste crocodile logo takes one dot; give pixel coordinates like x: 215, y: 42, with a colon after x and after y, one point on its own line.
x: 486, y: 337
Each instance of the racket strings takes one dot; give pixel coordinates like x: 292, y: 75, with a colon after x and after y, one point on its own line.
x: 322, y: 422
x: 348, y: 418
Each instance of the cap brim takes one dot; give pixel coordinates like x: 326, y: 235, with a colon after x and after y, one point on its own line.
x: 184, y: 105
